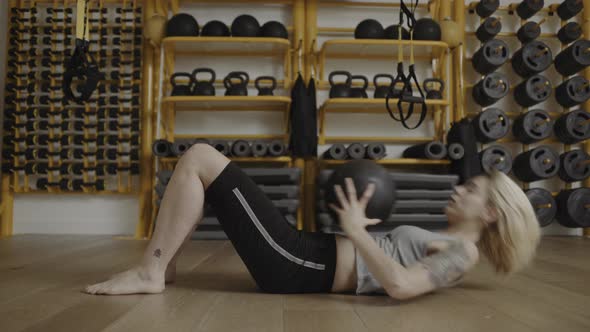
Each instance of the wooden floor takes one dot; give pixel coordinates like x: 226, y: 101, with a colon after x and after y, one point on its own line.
x: 41, y: 277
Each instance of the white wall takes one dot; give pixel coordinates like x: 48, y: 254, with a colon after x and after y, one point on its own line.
x: 118, y: 215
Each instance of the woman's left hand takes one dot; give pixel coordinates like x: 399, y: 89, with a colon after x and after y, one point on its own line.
x: 352, y: 210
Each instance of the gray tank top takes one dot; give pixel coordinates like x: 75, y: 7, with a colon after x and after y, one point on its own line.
x: 405, y: 244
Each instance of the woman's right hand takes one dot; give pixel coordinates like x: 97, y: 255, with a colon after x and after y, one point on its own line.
x: 352, y: 210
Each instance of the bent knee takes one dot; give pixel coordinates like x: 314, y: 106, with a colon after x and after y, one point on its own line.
x: 205, y: 160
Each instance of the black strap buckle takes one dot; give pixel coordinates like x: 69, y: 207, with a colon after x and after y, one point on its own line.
x: 83, y: 66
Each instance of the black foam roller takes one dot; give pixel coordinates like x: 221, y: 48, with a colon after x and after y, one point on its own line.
x: 429, y: 150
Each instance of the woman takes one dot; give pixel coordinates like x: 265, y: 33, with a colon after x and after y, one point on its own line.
x: 489, y: 214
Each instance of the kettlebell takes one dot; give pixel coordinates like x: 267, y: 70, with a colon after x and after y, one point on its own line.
x: 382, y: 90
x: 433, y: 93
x: 265, y: 90
x: 340, y: 90
x: 236, y: 89
x: 181, y: 89
x: 359, y: 92
x: 203, y: 88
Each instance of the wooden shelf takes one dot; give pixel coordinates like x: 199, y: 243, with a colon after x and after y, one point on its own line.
x: 226, y: 46
x: 278, y: 160
x: 401, y: 161
x: 229, y: 103
x: 380, y: 48
x: 377, y: 139
x: 234, y: 137
x: 370, y: 105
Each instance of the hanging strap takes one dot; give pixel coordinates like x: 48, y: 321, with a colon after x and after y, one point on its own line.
x: 407, y: 94
x: 81, y: 64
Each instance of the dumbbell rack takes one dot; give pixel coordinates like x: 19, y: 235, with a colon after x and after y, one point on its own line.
x: 174, y: 47
x: 96, y: 154
x: 463, y: 92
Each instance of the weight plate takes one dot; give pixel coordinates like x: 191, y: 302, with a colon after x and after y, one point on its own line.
x: 493, y: 54
x: 533, y: 126
x: 575, y: 166
x: 539, y: 163
x: 574, y: 91
x: 573, y: 127
x: 491, y: 125
x: 534, y: 90
x: 574, y: 58
x: 544, y: 205
x: 573, y: 207
x: 496, y: 157
x: 534, y: 57
x: 491, y: 88
x: 455, y: 151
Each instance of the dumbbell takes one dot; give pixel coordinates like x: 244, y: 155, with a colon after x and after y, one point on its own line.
x: 491, y: 125
x: 336, y: 152
x: 76, y: 153
x: 120, y: 10
x: 128, y: 20
x: 20, y: 11
x: 116, y: 62
x: 71, y: 168
x: 114, y: 126
x: 536, y: 89
x: 569, y: 8
x: 106, y: 169
x: 22, y: 20
x: 493, y: 87
x: 490, y: 27
x: 59, y: 20
x: 42, y: 139
x: 97, y: 20
x: 241, y: 148
x: 98, y: 10
x: 34, y: 168
x: 574, y: 58
x: 52, y: 10
x: 105, y: 139
x: 573, y: 127
x: 573, y: 207
x: 569, y: 32
x: 47, y: 40
x: 111, y: 154
x: 544, y: 205
x: 575, y: 166
x: 43, y: 184
x: 429, y: 150
x: 15, y: 63
x: 31, y: 75
x: 37, y: 125
x: 79, y: 185
x: 115, y: 100
x: 529, y: 31
x: 532, y: 58
x: 115, y: 88
x: 496, y: 157
x: 115, y: 75
x: 123, y: 41
x: 527, y: 8
x: 537, y: 164
x: 39, y: 153
x: 129, y: 30
x: 48, y: 75
x: 573, y: 91
x: 490, y: 56
x: 532, y: 126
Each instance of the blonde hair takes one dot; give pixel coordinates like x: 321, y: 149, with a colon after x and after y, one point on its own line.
x: 510, y: 243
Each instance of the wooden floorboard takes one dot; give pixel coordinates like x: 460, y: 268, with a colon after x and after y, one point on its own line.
x: 41, y: 278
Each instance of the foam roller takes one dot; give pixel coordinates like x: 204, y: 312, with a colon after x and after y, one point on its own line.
x: 161, y: 148
x: 356, y: 151
x: 274, y: 176
x: 276, y: 148
x: 429, y: 150
x: 241, y: 148
x: 335, y: 152
x: 201, y: 141
x: 280, y: 192
x: 259, y: 148
x: 423, y: 194
x: 424, y: 181
x: 375, y: 151
x: 222, y: 147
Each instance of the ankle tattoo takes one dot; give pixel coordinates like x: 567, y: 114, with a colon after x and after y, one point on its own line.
x: 158, y: 253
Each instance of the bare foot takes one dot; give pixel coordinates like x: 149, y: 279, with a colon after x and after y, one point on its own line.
x: 170, y: 275
x: 133, y: 281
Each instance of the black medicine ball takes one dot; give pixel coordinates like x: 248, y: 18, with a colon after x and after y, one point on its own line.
x: 215, y: 29
x: 245, y: 26
x: 183, y: 25
x: 362, y: 173
x: 274, y: 29
x: 427, y: 29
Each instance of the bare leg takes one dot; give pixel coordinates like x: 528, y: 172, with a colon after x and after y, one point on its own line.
x: 180, y: 211
x: 170, y: 275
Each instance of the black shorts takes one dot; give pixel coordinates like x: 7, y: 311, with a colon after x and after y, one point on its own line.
x: 280, y: 258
